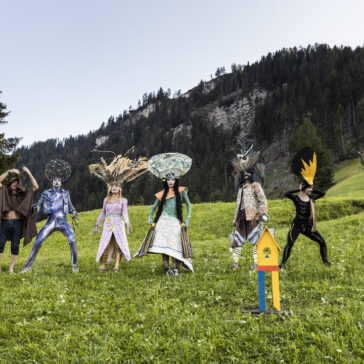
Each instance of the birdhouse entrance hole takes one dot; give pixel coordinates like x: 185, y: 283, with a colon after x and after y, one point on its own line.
x: 267, y: 252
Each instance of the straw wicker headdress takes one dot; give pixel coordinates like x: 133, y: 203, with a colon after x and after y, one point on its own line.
x: 120, y: 170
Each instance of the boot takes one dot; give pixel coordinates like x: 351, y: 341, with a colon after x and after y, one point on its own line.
x: 103, y: 259
x: 117, y: 258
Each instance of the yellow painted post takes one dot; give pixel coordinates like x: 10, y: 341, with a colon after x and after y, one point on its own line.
x: 275, y: 290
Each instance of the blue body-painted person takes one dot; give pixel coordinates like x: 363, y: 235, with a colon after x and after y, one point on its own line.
x: 56, y: 203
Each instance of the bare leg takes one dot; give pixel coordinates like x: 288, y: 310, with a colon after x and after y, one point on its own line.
x: 175, y: 263
x: 13, y: 259
x: 165, y: 261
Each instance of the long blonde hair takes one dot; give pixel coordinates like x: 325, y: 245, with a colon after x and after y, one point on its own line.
x: 109, y: 193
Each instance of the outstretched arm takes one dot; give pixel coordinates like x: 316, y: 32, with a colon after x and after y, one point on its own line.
x: 152, y: 211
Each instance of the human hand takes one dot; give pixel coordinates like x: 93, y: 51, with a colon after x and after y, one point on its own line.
x: 26, y: 170
x: 95, y: 230
x: 130, y: 229
x: 14, y: 170
x: 186, y: 222
x: 150, y: 221
x: 74, y: 214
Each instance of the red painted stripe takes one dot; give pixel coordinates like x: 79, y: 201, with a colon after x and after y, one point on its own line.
x: 269, y: 268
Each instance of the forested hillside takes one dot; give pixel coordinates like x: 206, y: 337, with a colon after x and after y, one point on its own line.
x: 270, y: 98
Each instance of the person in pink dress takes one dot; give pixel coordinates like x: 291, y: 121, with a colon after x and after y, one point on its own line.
x: 113, y: 240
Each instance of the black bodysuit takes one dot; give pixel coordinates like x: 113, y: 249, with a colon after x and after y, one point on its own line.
x: 303, y: 223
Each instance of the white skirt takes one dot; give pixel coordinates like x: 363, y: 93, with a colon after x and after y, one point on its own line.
x: 168, y: 240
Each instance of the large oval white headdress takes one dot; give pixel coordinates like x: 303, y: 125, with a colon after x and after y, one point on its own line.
x: 169, y: 165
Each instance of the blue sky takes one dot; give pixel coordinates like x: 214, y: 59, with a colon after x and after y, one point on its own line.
x: 67, y: 65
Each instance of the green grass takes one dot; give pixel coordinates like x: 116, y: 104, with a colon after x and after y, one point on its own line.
x: 349, y: 180
x: 139, y: 315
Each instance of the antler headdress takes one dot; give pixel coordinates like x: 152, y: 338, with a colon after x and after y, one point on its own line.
x: 248, y: 158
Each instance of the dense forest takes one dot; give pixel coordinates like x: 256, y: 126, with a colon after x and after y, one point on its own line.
x: 316, y: 89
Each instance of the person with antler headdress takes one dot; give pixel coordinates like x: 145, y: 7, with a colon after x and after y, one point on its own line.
x: 56, y: 203
x: 304, y: 166
x: 251, y: 204
x: 115, y: 207
x: 168, y: 233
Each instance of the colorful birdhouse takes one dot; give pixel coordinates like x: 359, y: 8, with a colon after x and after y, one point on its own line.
x: 267, y: 249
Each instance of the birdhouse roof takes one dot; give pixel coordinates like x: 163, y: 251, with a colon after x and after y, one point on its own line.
x: 271, y: 237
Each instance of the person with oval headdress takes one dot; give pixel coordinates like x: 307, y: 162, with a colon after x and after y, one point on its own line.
x: 56, y: 203
x: 168, y: 233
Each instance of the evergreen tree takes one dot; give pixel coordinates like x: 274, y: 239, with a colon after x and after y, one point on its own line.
x: 7, y: 145
x: 306, y: 136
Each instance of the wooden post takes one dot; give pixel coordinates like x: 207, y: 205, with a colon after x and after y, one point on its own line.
x: 275, y: 290
x: 261, y: 283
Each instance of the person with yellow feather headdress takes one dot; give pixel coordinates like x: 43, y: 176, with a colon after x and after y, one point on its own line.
x: 304, y: 166
x: 115, y: 207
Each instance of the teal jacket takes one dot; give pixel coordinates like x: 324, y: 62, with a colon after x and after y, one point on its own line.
x: 170, y: 207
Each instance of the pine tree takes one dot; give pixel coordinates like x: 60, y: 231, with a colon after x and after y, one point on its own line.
x: 306, y: 136
x: 7, y: 145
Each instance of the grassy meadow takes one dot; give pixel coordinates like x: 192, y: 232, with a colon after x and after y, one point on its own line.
x: 139, y: 315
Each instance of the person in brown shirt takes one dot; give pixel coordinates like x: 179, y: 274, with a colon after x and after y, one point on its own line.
x: 16, y: 213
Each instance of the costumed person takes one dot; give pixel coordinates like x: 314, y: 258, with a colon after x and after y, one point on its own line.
x: 115, y: 207
x: 168, y: 234
x: 304, y: 166
x: 56, y: 203
x: 16, y: 213
x: 251, y: 204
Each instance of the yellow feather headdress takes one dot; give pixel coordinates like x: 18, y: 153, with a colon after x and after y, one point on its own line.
x: 120, y: 170
x: 304, y: 165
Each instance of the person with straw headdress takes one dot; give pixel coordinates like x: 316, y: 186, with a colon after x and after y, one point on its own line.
x: 251, y: 204
x: 168, y: 232
x: 304, y: 166
x: 113, y: 240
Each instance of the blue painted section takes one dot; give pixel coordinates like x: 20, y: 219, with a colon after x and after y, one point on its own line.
x: 261, y: 282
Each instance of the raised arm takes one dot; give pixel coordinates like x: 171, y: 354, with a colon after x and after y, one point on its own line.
x: 290, y: 194
x: 5, y: 174
x: 316, y: 194
x: 152, y: 211
x: 32, y: 179
x: 188, y: 204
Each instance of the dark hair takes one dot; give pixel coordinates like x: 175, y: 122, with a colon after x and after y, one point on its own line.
x: 163, y: 200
